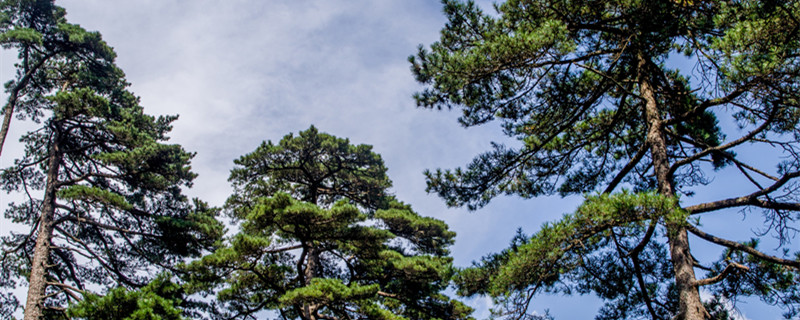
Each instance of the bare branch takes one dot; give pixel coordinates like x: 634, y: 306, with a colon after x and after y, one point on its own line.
x: 725, y: 272
x: 120, y: 277
x: 606, y: 76
x: 388, y: 295
x: 719, y: 148
x: 86, y: 176
x: 106, y: 226
x: 730, y: 97
x: 751, y: 199
x: 68, y: 289
x: 741, y: 247
x: 751, y: 168
x: 627, y: 169
x: 645, y: 240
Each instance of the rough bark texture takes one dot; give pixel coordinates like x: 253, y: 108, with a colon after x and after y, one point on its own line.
x: 690, y: 306
x: 312, y: 263
x: 34, y: 306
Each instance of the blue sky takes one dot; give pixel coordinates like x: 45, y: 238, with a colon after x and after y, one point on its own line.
x: 242, y: 71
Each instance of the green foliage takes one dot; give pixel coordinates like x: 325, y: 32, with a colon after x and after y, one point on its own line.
x: 585, y: 251
x: 597, y: 98
x: 357, y: 261
x: 567, y: 90
x: 24, y: 36
x: 328, y: 291
x: 161, y: 299
x: 320, y: 238
x: 429, y: 235
x: 48, y: 46
x: 93, y: 194
x: 314, y: 167
x: 560, y: 247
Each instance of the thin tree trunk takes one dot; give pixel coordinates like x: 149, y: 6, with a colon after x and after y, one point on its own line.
x: 690, y: 307
x: 8, y: 112
x: 312, y: 263
x: 34, y: 306
x: 13, y: 96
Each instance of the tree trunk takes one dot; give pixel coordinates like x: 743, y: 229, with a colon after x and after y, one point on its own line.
x: 8, y: 112
x: 312, y: 263
x: 310, y: 272
x: 34, y: 306
x: 690, y: 307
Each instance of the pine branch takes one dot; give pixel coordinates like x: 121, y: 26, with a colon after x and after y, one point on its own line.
x: 751, y: 168
x: 738, y: 246
x: 634, y: 256
x: 627, y: 169
x: 68, y: 289
x: 86, y: 176
x: 104, y: 226
x: 730, y: 97
x: 725, y: 272
x: 120, y: 277
x: 708, y: 150
x: 751, y: 199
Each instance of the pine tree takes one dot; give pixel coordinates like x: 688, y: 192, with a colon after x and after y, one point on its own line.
x: 43, y: 38
x: 103, y: 190
x: 321, y: 239
x: 598, y: 101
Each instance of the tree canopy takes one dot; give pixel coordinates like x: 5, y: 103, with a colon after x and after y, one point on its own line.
x: 45, y: 43
x: 600, y: 96
x: 313, y: 167
x: 320, y: 238
x: 161, y: 299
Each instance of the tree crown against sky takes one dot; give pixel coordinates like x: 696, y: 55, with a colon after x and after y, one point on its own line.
x: 101, y: 188
x: 313, y: 167
x: 594, y: 95
x: 44, y: 41
x: 320, y: 238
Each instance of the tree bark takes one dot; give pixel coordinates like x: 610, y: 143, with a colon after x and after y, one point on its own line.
x: 312, y: 262
x: 690, y: 307
x: 34, y: 305
x: 310, y: 272
x: 8, y: 112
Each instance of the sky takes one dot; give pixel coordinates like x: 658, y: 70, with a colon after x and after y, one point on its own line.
x: 239, y: 72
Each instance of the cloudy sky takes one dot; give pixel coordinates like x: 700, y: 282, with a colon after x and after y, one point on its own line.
x: 239, y: 72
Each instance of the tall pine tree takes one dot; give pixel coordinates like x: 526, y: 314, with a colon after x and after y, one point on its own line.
x: 593, y: 93
x: 321, y: 239
x: 102, y: 189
